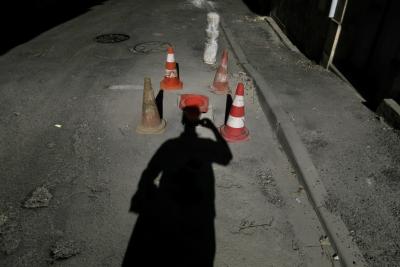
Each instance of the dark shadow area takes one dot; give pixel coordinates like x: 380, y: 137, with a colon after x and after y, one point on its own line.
x: 376, y: 85
x: 22, y: 20
x: 159, y: 103
x: 177, y: 69
x: 228, y: 105
x: 175, y: 226
x: 371, y: 106
x: 260, y: 7
x: 368, y: 53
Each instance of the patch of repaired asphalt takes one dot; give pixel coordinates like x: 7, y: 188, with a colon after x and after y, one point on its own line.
x: 10, y: 230
x: 39, y: 198
x: 64, y: 249
x: 269, y: 187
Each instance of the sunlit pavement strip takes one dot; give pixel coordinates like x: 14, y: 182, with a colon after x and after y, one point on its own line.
x: 263, y: 215
x: 133, y: 87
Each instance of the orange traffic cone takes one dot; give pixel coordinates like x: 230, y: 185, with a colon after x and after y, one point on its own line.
x: 151, y: 122
x: 234, y: 130
x: 171, y: 80
x: 221, y: 84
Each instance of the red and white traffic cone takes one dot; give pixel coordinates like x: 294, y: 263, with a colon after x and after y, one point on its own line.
x: 234, y: 130
x: 171, y: 80
x: 221, y: 85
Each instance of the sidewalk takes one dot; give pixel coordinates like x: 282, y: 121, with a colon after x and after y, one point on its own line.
x: 357, y: 156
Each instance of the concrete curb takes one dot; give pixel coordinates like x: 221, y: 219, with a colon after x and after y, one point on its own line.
x: 348, y: 252
x: 281, y: 35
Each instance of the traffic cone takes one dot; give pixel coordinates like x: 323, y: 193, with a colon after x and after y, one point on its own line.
x: 171, y: 79
x: 221, y: 84
x: 151, y: 122
x: 234, y: 130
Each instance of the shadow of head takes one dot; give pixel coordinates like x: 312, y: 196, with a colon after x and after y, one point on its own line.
x: 190, y: 116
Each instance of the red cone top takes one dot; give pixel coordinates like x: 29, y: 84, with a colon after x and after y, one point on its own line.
x: 240, y: 89
x: 170, y: 50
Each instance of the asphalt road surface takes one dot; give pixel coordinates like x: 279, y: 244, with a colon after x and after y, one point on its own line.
x: 69, y: 107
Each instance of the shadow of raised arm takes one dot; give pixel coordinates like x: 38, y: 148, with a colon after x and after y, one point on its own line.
x: 222, y: 154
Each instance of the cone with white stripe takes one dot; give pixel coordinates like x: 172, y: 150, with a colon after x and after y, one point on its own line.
x: 220, y: 84
x: 234, y: 130
x: 171, y: 79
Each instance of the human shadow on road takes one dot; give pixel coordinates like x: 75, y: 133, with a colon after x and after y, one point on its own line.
x: 175, y: 226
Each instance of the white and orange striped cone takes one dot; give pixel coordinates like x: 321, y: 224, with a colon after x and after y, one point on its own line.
x: 234, y: 130
x: 221, y: 85
x: 171, y: 80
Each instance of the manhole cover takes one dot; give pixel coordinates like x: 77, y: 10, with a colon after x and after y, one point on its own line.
x: 111, y: 38
x: 150, y: 47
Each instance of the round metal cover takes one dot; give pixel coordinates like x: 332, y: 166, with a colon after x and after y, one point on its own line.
x: 150, y: 47
x: 111, y: 38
